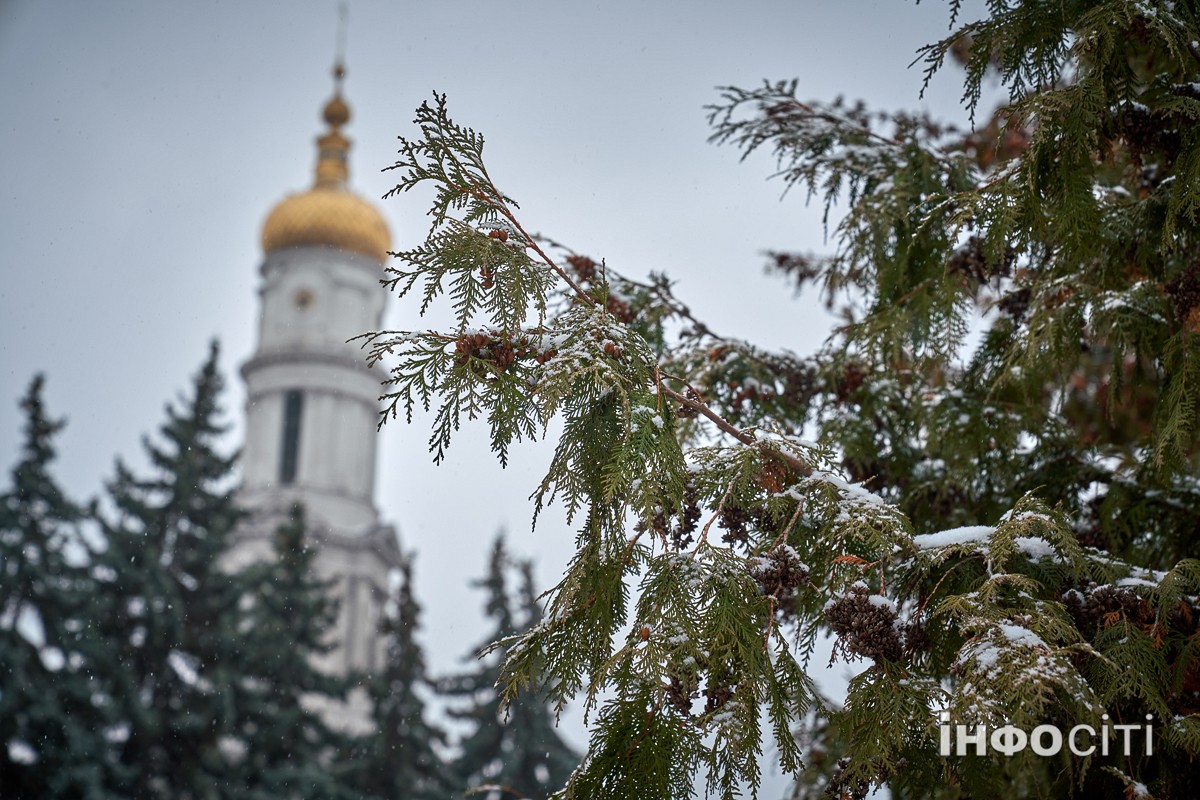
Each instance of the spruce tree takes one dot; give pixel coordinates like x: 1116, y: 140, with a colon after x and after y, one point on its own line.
x: 283, y: 747
x: 401, y: 759
x: 998, y: 528
x: 171, y: 612
x: 51, y: 731
x: 512, y: 750
x: 544, y: 761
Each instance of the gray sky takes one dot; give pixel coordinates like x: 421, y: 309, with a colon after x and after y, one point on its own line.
x: 143, y: 143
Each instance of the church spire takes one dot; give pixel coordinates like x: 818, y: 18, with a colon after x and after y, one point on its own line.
x: 333, y: 148
x: 329, y: 213
x: 333, y: 166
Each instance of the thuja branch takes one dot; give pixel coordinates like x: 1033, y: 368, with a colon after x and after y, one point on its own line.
x: 745, y: 437
x: 450, y: 157
x: 532, y: 243
x: 988, y: 606
x: 663, y: 293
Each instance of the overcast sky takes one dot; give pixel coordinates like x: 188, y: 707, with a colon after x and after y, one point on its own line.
x: 143, y: 143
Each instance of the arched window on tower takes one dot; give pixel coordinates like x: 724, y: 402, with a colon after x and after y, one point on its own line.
x: 293, y: 408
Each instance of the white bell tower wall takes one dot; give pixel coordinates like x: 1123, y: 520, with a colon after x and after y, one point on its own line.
x: 312, y: 404
x: 322, y: 447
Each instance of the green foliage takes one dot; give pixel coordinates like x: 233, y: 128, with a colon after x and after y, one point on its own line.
x: 451, y: 157
x: 402, y: 758
x: 144, y: 666
x: 206, y: 674
x: 512, y: 749
x: 52, y: 732
x: 637, y: 749
x: 284, y: 749
x: 169, y: 615
x: 1022, y: 554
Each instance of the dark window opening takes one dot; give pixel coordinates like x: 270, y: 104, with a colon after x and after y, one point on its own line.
x: 293, y: 406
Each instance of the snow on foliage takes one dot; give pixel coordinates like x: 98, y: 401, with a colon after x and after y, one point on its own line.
x: 1041, y: 461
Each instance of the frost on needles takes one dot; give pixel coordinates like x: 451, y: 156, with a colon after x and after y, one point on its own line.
x: 1003, y: 534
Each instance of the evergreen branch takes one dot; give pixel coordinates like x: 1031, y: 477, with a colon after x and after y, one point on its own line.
x: 1068, y: 222
x: 745, y: 437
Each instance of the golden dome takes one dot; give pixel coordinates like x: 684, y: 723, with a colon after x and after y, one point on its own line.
x: 329, y: 214
x: 334, y: 217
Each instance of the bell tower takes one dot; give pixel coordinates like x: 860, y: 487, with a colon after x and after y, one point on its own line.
x: 312, y: 404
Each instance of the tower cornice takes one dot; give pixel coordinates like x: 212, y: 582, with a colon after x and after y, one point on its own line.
x: 298, y: 357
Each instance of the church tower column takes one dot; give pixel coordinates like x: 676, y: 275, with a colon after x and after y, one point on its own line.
x: 312, y: 404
